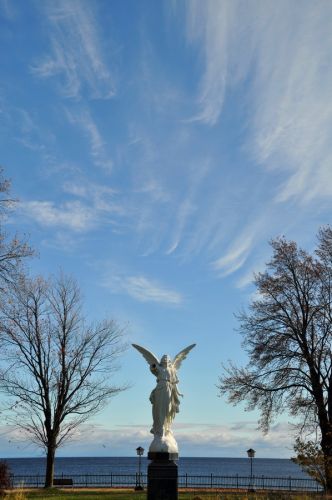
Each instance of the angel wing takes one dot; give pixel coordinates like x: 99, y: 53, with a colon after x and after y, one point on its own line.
x: 149, y: 356
x: 181, y: 356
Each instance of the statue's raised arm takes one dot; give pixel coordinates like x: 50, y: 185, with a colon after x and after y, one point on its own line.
x: 164, y: 398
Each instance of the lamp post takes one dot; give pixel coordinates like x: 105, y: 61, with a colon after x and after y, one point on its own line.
x: 251, y: 455
x: 139, y: 452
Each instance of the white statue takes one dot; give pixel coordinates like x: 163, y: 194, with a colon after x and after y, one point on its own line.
x: 164, y: 398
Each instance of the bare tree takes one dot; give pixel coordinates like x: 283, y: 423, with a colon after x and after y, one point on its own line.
x: 287, y: 333
x: 12, y: 250
x: 58, y: 370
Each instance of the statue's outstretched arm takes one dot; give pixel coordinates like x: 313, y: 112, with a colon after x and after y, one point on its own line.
x: 181, y: 356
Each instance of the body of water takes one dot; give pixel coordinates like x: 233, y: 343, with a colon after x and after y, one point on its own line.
x: 268, y: 467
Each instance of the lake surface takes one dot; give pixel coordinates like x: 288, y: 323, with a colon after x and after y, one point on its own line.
x: 268, y: 467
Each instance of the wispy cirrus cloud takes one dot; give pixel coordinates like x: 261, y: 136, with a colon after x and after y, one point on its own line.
x: 237, y: 253
x: 104, y: 199
x: 235, y: 256
x: 155, y: 191
x: 97, y: 145
x: 89, y: 206
x: 76, y: 59
x: 211, y: 26
x: 189, y: 203
x: 85, y: 189
x: 282, y: 51
x: 72, y: 215
x: 22, y: 125
x: 146, y: 290
x: 142, y: 288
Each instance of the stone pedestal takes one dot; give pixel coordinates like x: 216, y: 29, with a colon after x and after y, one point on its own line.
x: 162, y: 476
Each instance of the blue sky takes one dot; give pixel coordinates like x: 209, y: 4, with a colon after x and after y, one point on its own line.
x: 156, y: 148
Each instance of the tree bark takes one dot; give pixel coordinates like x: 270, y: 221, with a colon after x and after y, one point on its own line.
x: 49, y: 476
x: 328, y: 476
x: 326, y: 444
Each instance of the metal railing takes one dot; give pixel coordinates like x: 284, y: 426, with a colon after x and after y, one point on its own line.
x: 114, y: 480
x: 246, y: 482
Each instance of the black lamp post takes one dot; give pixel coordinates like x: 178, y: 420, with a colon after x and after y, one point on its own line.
x: 251, y: 455
x: 139, y: 452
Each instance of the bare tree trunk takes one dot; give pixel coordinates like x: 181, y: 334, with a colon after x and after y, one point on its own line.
x: 49, y: 476
x: 328, y: 475
x: 326, y: 445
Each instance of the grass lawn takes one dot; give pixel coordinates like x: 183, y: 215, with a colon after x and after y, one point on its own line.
x: 66, y: 494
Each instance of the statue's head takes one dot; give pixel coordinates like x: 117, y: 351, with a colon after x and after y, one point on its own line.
x: 165, y: 360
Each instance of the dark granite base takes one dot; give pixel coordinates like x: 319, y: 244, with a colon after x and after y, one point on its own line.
x: 160, y: 455
x: 162, y: 476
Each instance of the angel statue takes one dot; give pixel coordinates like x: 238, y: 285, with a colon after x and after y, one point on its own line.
x: 165, y: 397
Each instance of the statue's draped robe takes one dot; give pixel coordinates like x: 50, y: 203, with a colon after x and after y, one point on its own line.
x: 165, y: 399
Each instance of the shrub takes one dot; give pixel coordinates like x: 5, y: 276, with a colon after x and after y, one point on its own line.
x: 5, y: 481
